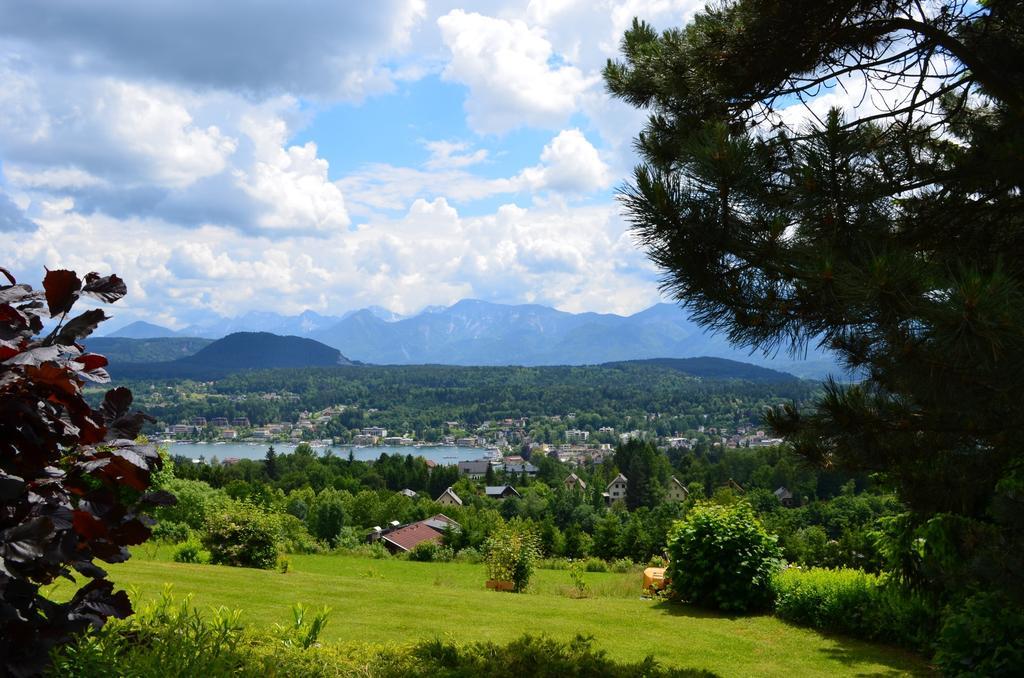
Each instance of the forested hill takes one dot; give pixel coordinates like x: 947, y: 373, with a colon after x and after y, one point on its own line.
x: 235, y: 352
x: 712, y: 368
x: 119, y: 350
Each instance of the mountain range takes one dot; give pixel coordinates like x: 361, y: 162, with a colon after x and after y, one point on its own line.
x: 473, y: 332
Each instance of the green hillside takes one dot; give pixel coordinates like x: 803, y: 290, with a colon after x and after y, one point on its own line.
x: 239, y: 351
x: 391, y: 600
x: 157, y: 349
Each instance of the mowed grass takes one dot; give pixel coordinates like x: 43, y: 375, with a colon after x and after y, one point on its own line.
x: 397, y: 601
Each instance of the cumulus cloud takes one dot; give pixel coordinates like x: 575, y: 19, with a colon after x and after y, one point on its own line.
x: 512, y: 71
x: 327, y: 50
x: 577, y: 259
x: 569, y: 164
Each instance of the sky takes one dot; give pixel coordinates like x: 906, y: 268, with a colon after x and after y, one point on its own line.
x: 230, y: 156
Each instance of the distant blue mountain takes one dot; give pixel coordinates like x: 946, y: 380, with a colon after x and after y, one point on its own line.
x: 140, y: 329
x: 474, y: 332
x: 261, y: 321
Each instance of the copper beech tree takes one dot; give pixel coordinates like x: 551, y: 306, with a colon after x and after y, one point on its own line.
x: 73, y: 481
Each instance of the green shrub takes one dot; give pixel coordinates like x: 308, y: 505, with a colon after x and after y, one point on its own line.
x: 431, y: 551
x: 722, y: 557
x: 162, y: 639
x: 512, y: 554
x: 833, y: 600
x: 579, y: 584
x: 595, y: 565
x: 196, y: 502
x: 534, y: 656
x: 621, y: 565
x: 554, y: 564
x: 243, y: 536
x: 191, y: 552
x: 295, y: 538
x: 853, y: 602
x: 170, y: 532
x: 469, y: 555
x: 983, y: 636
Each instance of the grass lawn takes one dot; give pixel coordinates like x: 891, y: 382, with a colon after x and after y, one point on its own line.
x: 394, y: 600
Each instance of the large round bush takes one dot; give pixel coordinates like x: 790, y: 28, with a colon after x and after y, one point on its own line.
x: 243, y: 535
x: 722, y: 557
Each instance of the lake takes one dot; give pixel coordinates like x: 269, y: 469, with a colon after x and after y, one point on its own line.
x: 441, y: 455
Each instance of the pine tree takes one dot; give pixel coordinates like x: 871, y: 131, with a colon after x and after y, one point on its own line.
x: 270, y: 463
x: 892, y: 236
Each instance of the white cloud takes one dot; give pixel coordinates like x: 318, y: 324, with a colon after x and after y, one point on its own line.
x: 512, y: 73
x: 154, y: 125
x: 55, y: 178
x: 452, y: 154
x: 569, y: 164
x: 292, y: 184
x: 576, y: 259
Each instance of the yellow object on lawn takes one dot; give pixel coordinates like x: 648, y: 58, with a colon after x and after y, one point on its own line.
x: 654, y: 579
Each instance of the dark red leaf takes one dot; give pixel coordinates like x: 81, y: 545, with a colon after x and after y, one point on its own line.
x: 13, y: 294
x: 61, y: 291
x: 158, y: 498
x: 108, y: 288
x: 27, y: 541
x: 10, y: 487
x: 80, y: 326
x: 91, y: 361
x: 99, y: 375
x: 89, y: 569
x: 131, y: 533
x: 89, y: 526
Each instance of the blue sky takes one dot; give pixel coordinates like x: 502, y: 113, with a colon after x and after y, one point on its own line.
x: 228, y: 157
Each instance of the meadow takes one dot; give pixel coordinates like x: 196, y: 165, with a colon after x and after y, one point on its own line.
x: 398, y: 601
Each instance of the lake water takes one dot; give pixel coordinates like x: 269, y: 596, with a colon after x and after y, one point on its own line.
x: 441, y: 455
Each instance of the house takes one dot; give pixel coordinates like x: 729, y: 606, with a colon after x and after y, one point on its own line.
x: 616, y: 489
x: 408, y: 493
x: 219, y: 422
x: 449, y: 498
x: 574, y: 482
x: 500, y: 492
x: 407, y: 537
x: 676, y: 491
x: 474, y: 469
x: 576, y: 436
x: 785, y: 497
x: 228, y: 433
x: 199, y: 421
x: 735, y: 487
x: 241, y: 422
x: 521, y: 467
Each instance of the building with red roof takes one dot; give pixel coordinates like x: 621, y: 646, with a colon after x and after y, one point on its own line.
x: 406, y: 537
